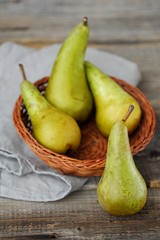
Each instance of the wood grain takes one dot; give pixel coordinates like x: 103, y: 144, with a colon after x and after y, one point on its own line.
x: 50, y: 21
x: 65, y: 219
x: 129, y: 28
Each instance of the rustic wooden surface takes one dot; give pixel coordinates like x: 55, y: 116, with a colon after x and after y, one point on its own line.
x: 130, y: 28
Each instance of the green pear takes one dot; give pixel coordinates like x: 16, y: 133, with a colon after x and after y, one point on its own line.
x: 111, y: 101
x: 51, y: 127
x: 67, y: 86
x: 121, y: 189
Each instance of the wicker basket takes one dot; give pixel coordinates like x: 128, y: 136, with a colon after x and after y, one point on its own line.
x: 89, y: 159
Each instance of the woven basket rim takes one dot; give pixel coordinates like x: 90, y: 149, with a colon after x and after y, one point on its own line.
x: 88, y: 167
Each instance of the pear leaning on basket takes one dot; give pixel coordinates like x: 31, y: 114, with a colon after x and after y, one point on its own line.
x: 121, y: 189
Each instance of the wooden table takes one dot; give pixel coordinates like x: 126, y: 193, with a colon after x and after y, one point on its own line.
x: 130, y: 29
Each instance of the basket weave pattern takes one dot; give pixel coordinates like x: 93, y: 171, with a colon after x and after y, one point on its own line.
x: 90, y: 158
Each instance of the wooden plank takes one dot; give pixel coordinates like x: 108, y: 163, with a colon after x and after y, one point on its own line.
x: 65, y: 219
x: 116, y: 21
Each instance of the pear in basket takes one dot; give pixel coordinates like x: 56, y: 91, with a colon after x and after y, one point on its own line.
x: 111, y: 101
x: 67, y: 86
x: 51, y: 127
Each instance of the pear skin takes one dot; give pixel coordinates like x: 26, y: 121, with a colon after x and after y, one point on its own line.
x: 111, y: 101
x: 67, y: 87
x: 121, y: 189
x: 51, y: 127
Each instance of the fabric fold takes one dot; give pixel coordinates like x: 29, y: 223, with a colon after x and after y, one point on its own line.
x: 23, y: 175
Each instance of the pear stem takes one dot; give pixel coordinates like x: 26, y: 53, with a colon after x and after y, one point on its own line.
x: 85, y: 21
x: 130, y: 110
x: 22, y: 71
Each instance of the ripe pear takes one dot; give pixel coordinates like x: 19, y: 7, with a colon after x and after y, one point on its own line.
x: 67, y: 86
x: 121, y: 189
x: 51, y: 127
x: 111, y: 101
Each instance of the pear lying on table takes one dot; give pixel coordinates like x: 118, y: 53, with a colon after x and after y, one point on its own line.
x: 121, y: 189
x: 51, y: 127
x: 67, y: 86
x: 111, y: 101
